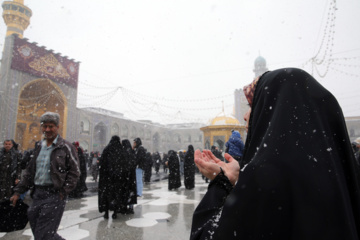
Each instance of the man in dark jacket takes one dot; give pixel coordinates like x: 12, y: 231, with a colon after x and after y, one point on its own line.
x: 52, y: 172
x: 10, y: 168
x: 140, y: 154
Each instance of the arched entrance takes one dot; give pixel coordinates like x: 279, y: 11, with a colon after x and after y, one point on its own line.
x: 219, y: 144
x: 99, y: 137
x: 36, y: 98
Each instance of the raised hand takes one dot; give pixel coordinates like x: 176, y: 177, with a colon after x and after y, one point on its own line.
x: 209, y: 165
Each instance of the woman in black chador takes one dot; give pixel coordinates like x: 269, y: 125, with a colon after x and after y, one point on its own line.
x: 299, y: 178
x: 109, y: 166
x: 129, y: 155
x: 174, y: 170
x: 81, y: 185
x: 148, y: 168
x: 189, y: 168
x: 119, y: 177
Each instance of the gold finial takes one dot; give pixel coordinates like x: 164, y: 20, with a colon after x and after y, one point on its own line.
x: 16, y: 16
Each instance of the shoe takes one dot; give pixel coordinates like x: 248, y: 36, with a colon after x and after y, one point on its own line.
x: 114, y: 216
x: 106, y: 215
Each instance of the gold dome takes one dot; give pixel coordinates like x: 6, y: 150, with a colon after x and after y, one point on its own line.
x: 224, y: 120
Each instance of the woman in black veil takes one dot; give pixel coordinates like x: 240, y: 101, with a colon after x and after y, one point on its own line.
x: 129, y: 155
x: 299, y: 178
x: 107, y: 195
x: 189, y: 168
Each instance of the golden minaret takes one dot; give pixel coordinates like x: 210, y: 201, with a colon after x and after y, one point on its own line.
x: 16, y: 16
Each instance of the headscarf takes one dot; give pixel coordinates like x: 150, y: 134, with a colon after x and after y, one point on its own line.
x: 249, y: 90
x: 126, y: 144
x: 138, y: 142
x: 301, y: 180
x: 114, y: 146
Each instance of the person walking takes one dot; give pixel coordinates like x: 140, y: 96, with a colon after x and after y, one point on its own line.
x: 189, y: 168
x: 157, y: 162
x: 81, y: 185
x: 52, y: 173
x: 110, y: 178
x: 164, y: 162
x: 131, y: 192
x: 174, y: 171
x: 148, y: 168
x: 299, y: 177
x: 140, y: 154
x: 181, y: 156
x: 95, y: 156
x: 10, y: 167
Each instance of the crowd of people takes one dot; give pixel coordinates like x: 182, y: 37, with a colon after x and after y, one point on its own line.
x: 124, y: 168
x: 56, y: 169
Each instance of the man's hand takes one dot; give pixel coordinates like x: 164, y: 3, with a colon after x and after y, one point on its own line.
x: 17, y: 181
x: 209, y: 165
x: 14, y: 199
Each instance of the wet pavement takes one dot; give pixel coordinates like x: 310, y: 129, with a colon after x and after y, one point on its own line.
x: 159, y: 214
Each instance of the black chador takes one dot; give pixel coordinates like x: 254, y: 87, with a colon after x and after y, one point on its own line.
x: 300, y: 179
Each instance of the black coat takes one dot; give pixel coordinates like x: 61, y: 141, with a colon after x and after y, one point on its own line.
x: 13, y: 218
x: 148, y: 167
x: 110, y: 156
x: 81, y: 184
x: 301, y: 180
x: 174, y: 169
x: 140, y: 154
x: 189, y: 169
x: 130, y: 159
x: 119, y: 177
x: 157, y: 161
x: 10, y: 171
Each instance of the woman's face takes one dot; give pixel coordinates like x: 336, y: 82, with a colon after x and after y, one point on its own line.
x: 246, y: 118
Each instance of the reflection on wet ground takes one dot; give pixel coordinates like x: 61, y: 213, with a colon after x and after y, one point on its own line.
x: 159, y: 214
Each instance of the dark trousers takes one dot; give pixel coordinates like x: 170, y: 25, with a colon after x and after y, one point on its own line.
x: 45, y: 214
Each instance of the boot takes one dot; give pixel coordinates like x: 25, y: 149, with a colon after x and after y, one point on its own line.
x: 106, y: 215
x: 114, y: 216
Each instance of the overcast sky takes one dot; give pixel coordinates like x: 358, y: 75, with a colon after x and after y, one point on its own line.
x: 178, y: 60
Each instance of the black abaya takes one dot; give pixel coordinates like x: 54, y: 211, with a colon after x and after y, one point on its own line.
x: 189, y: 168
x: 131, y: 172
x: 301, y: 180
x: 174, y: 171
x: 107, y: 195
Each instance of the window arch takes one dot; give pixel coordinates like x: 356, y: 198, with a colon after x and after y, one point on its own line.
x: 148, y: 135
x: 141, y: 133
x: 85, y: 126
x: 124, y: 131
x: 115, y: 129
x: 133, y: 133
x: 177, y: 138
